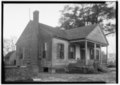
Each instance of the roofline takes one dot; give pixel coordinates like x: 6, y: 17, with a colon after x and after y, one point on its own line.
x: 104, y: 35
x: 60, y: 38
x: 23, y: 31
x: 97, y: 42
x: 103, y: 44
x: 91, y: 30
x: 82, y: 39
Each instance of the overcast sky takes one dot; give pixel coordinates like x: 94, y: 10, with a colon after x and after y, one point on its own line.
x: 17, y: 16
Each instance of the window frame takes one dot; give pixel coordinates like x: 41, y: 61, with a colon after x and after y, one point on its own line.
x: 44, y: 50
x: 82, y: 53
x: 91, y: 53
x: 60, y: 50
x: 72, y: 53
x: 97, y: 54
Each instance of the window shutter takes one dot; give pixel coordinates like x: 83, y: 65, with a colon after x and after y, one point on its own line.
x: 44, y: 50
x: 69, y: 52
x: 45, y: 46
x: 62, y: 51
x: 58, y: 51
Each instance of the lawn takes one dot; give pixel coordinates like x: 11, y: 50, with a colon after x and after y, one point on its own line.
x: 109, y: 77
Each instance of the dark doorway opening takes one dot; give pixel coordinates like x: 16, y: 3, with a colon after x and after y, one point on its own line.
x: 45, y: 69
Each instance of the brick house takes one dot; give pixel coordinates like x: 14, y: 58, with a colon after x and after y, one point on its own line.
x: 46, y: 49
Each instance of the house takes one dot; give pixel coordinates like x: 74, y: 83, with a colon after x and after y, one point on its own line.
x: 45, y: 48
x: 10, y: 59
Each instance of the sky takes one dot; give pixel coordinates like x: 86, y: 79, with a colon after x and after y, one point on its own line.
x: 17, y: 16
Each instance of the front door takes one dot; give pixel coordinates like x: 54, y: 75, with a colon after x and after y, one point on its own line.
x: 97, y: 54
x: 82, y: 51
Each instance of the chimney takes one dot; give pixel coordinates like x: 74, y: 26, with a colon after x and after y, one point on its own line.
x: 36, y: 16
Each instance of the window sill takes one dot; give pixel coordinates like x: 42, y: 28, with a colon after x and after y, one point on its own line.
x: 71, y: 59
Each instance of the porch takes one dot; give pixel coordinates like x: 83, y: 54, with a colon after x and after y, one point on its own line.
x: 87, y: 52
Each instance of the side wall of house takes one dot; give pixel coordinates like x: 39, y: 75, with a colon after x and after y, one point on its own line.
x: 27, y: 47
x: 44, y: 37
x: 56, y: 62
x: 59, y: 63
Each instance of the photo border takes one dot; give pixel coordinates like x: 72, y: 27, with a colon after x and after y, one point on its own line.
x: 51, y: 2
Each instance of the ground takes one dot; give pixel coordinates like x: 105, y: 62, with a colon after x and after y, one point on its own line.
x: 109, y: 77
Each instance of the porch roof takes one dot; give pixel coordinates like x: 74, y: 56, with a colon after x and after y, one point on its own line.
x: 81, y: 32
x: 74, y: 34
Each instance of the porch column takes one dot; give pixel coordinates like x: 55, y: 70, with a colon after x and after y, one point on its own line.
x: 100, y: 55
x: 94, y: 51
x: 106, y: 54
x: 85, y: 52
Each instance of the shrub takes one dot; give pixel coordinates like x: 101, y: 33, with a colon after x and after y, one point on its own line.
x: 60, y: 70
x: 102, y: 68
x: 72, y: 68
x: 111, y: 64
x: 18, y: 73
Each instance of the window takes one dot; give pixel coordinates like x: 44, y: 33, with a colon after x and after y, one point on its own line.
x: 72, y: 52
x: 45, y: 69
x: 60, y: 51
x: 44, y: 50
x: 21, y: 56
x: 91, y: 53
x: 20, y: 53
x: 97, y: 54
x: 82, y: 53
x: 14, y: 62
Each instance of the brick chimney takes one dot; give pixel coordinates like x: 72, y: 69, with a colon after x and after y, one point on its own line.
x: 36, y: 16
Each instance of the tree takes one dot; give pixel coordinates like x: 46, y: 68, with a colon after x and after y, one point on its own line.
x: 9, y: 45
x: 85, y: 14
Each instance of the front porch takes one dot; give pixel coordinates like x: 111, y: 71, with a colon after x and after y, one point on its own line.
x: 87, y: 52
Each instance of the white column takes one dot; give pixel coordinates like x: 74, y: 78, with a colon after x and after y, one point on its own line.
x: 107, y: 53
x: 100, y: 55
x: 86, y: 52
x: 94, y: 51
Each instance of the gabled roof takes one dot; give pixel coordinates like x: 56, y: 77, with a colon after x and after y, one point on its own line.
x: 53, y: 31
x: 80, y: 32
x: 71, y: 34
x: 76, y: 33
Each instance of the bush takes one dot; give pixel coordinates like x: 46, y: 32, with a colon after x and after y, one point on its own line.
x: 111, y: 64
x: 102, y: 68
x: 60, y: 70
x: 72, y: 68
x: 18, y: 74
x: 24, y: 80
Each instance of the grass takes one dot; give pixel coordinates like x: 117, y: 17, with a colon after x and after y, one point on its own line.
x: 109, y: 77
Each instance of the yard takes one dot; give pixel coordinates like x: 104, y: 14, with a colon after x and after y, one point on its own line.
x: 109, y: 77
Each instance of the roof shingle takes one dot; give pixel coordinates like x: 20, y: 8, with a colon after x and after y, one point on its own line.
x: 80, y: 32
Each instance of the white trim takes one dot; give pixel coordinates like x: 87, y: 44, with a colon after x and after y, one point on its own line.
x: 45, y: 46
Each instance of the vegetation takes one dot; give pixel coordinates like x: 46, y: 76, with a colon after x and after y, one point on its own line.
x: 9, y: 45
x: 78, y: 15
